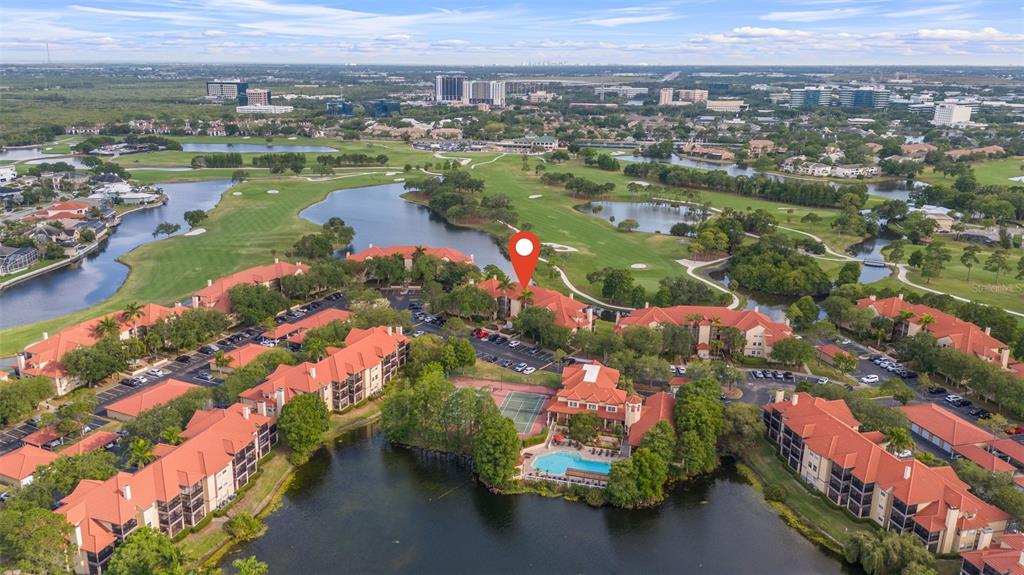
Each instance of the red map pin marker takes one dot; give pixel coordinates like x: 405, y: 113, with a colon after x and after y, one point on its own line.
x: 524, y: 249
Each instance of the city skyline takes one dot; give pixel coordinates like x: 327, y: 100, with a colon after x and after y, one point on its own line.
x: 804, y: 32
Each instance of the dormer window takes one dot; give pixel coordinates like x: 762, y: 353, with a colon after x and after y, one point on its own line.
x: 574, y: 404
x: 592, y: 406
x: 611, y: 409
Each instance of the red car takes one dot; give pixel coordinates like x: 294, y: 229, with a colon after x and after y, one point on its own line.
x: 1014, y: 430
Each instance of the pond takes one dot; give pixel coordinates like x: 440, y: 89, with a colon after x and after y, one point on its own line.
x: 99, y: 275
x: 248, y: 148
x: 363, y: 506
x: 893, y: 189
x: 36, y: 155
x: 654, y: 217
x: 870, y: 250
x: 382, y: 218
x: 773, y: 306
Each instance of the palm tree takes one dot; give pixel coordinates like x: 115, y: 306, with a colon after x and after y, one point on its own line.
x: 505, y: 283
x: 140, y: 452
x: 132, y: 312
x: 969, y: 258
x: 106, y: 326
x: 695, y: 318
x: 926, y: 320
x: 526, y: 297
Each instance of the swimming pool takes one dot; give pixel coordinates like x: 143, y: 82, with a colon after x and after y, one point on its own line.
x: 557, y: 462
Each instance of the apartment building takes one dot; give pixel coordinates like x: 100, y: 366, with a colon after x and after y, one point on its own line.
x: 449, y: 88
x: 949, y: 331
x: 154, y: 396
x: 182, y: 486
x: 856, y: 171
x: 295, y: 332
x: 698, y: 150
x: 18, y: 467
x: 215, y: 294
x: 693, y: 96
x: 1004, y: 558
x: 951, y: 114
x: 42, y: 358
x: 706, y: 322
x: 409, y: 253
x: 728, y: 106
x: 491, y: 93
x: 820, y: 440
x: 347, y: 376
x: 258, y: 97
x: 760, y: 148
x: 567, y: 311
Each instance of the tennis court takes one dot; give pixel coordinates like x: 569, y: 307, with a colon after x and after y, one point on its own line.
x: 523, y: 409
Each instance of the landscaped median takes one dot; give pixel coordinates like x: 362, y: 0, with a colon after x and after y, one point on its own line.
x: 262, y: 496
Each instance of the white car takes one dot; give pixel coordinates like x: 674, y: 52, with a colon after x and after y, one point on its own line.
x: 953, y: 398
x: 418, y: 333
x: 822, y: 380
x: 529, y: 370
x: 872, y: 378
x: 156, y: 372
x: 514, y: 343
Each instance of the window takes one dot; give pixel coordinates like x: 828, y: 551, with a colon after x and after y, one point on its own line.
x: 611, y: 409
x: 574, y: 404
x: 592, y: 406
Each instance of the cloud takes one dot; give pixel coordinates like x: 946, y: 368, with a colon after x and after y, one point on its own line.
x: 985, y: 34
x: 616, y: 21
x: 929, y: 11
x: 814, y: 15
x: 213, y: 33
x: 181, y: 18
x: 451, y: 43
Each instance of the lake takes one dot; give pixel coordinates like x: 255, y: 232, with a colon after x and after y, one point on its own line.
x: 382, y: 218
x: 654, y: 217
x: 36, y: 155
x: 99, y: 275
x: 363, y: 506
x: 259, y: 148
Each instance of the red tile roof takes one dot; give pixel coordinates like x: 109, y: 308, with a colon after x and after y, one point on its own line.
x: 151, y: 397
x: 215, y: 295
x: 658, y: 407
x: 1009, y: 448
x: 91, y: 443
x: 830, y: 350
x: 315, y: 320
x: 745, y: 319
x: 590, y: 383
x: 243, y: 356
x: 946, y: 425
x: 42, y: 437
x: 407, y: 252
x: 1003, y: 557
x: 986, y: 459
x: 23, y: 462
x: 567, y: 311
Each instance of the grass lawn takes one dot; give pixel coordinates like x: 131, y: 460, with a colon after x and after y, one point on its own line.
x: 987, y: 172
x: 242, y: 231
x: 485, y: 370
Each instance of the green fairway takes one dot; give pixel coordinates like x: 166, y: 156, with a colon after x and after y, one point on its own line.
x: 988, y: 173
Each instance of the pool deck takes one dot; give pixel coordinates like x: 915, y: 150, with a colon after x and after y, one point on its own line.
x: 536, y: 451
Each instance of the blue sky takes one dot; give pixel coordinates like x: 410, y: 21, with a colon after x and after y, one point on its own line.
x: 685, y: 32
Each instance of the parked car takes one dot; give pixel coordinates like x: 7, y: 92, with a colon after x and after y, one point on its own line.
x: 788, y: 376
x: 952, y: 398
x: 822, y: 380
x: 209, y: 349
x: 529, y: 370
x: 514, y: 343
x: 756, y: 374
x: 183, y: 358
x: 205, y: 376
x: 936, y: 390
x: 870, y: 378
x: 985, y: 414
x: 964, y: 403
x: 520, y: 366
x: 156, y: 372
x: 1013, y: 430
x: 679, y: 370
x: 418, y: 333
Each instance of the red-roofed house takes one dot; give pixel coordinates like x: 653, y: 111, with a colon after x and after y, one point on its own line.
x: 294, y: 331
x: 567, y: 311
x: 347, y: 376
x: 1004, y: 558
x: 18, y: 466
x: 949, y: 331
x: 47, y: 437
x: 706, y: 321
x: 130, y: 407
x: 821, y: 441
x: 827, y: 353
x: 215, y: 294
x: 185, y: 484
x: 408, y: 253
x: 63, y: 210
x: 92, y: 442
x: 943, y: 428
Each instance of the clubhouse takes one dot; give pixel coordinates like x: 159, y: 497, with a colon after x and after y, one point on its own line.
x: 567, y: 311
x: 408, y: 253
x: 949, y: 331
x: 706, y: 322
x: 593, y: 388
x: 820, y: 440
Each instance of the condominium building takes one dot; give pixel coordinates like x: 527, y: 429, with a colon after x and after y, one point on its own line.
x: 18, y: 467
x: 726, y: 106
x: 154, y: 396
x: 665, y: 96
x: 8, y: 173
x: 261, y: 109
x: 409, y: 253
x: 228, y: 90
x: 295, y: 332
x: 951, y: 114
x: 820, y: 440
x: 706, y: 323
x: 449, y: 88
x: 621, y: 91
x: 219, y: 456
x: 1003, y: 558
x: 511, y: 302
x: 810, y: 97
x: 258, y: 97
x: 864, y: 97
x: 484, y: 92
x: 215, y: 294
x: 346, y: 377
x: 693, y: 95
x: 759, y: 148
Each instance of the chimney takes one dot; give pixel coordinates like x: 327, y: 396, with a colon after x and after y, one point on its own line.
x: 46, y: 335
x: 572, y: 295
x: 209, y: 283
x: 399, y: 329
x: 780, y: 396
x: 261, y: 408
x: 988, y: 331
x: 312, y: 372
x: 647, y: 304
x: 21, y: 362
x: 795, y: 399
x: 391, y: 330
x: 906, y: 472
x: 279, y: 399
x: 757, y: 308
x: 370, y: 246
x: 277, y: 260
x: 900, y: 296
x: 126, y: 491
x: 873, y: 297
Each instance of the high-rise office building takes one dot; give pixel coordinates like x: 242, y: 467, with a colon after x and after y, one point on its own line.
x: 483, y: 92
x: 449, y: 88
x: 665, y: 96
x: 339, y: 108
x: 258, y: 96
x: 947, y: 114
x: 382, y: 108
x: 693, y: 95
x: 810, y: 97
x: 864, y: 97
x: 227, y: 90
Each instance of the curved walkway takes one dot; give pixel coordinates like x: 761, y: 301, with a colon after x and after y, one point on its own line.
x: 902, y: 276
x: 693, y: 265
x: 491, y: 161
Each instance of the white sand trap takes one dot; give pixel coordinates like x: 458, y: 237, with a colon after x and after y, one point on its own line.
x: 390, y: 173
x: 196, y: 232
x: 1016, y: 179
x: 51, y: 147
x: 399, y: 179
x: 535, y: 196
x: 561, y: 248
x: 640, y: 183
x: 639, y: 266
x: 236, y: 193
x: 246, y: 137
x: 273, y: 192
x: 293, y: 138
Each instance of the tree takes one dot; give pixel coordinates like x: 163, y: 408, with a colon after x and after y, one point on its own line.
x: 628, y: 225
x: 255, y: 303
x: 849, y: 274
x: 35, y: 539
x: 969, y: 258
x: 661, y: 439
x: 245, y: 527
x: 997, y: 263
x: 303, y: 422
x: 886, y: 553
x: 1020, y: 268
x: 898, y: 440
x: 584, y: 426
x: 250, y: 566
x: 106, y: 326
x: 742, y: 428
x: 844, y: 362
x: 497, y: 451
x: 140, y: 453
x: 997, y: 423
x: 166, y: 228
x: 934, y: 260
x: 194, y: 217
x: 147, y: 551
x: 792, y: 351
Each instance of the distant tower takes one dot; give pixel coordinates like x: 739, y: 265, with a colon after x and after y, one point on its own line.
x: 634, y: 405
